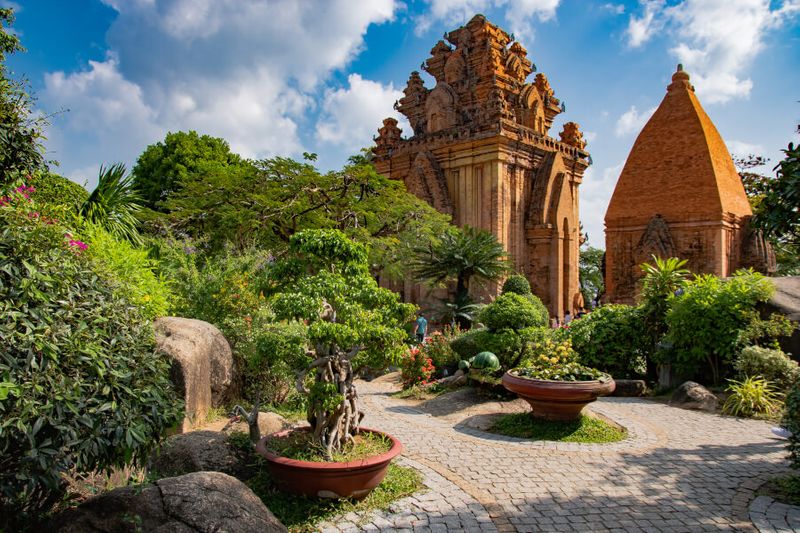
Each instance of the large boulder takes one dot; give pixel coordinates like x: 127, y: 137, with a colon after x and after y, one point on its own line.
x: 198, y: 451
x: 202, y: 364
x: 786, y: 301
x: 691, y: 395
x: 197, y: 502
x: 629, y: 388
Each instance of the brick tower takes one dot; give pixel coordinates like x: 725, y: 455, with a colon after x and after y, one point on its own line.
x: 481, y: 152
x: 679, y: 195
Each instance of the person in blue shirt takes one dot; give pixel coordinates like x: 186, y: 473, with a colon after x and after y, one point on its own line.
x: 420, y: 327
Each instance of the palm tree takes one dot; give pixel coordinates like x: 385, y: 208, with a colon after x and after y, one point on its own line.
x: 113, y: 204
x: 463, y: 255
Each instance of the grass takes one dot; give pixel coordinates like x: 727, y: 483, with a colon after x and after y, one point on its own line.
x: 785, y: 489
x: 299, y: 445
x: 423, y: 393
x: 586, y: 429
x: 301, y: 514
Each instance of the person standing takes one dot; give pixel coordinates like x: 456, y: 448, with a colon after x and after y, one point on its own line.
x: 420, y: 327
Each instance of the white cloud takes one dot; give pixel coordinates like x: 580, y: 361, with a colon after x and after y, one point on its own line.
x: 641, y: 29
x: 617, y: 9
x: 631, y: 121
x: 744, y: 149
x: 716, y: 40
x: 351, y: 116
x: 518, y: 14
x: 245, y: 70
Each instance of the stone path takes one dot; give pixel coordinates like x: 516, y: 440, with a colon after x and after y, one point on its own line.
x: 678, y: 471
x: 770, y: 516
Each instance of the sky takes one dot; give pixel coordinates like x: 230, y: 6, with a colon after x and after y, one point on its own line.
x: 282, y: 77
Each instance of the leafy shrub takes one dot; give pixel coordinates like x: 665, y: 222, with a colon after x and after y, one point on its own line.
x: 437, y: 348
x: 511, y: 347
x: 415, y: 368
x: 53, y: 190
x: 766, y: 332
x: 705, y: 322
x: 750, y: 397
x: 131, y: 267
x: 517, y: 284
x: 80, y: 384
x: 772, y: 365
x: 791, y: 421
x: 269, y: 369
x: 554, y: 359
x: 613, y: 339
x: 512, y: 311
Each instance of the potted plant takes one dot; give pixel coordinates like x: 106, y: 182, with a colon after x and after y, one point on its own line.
x: 352, y: 323
x: 555, y: 384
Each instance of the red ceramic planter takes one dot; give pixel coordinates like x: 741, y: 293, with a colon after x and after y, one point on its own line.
x: 557, y: 400
x: 352, y: 479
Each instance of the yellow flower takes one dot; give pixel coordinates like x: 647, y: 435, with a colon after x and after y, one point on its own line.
x: 554, y: 360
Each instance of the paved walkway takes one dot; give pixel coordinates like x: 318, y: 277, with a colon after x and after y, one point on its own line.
x: 678, y: 471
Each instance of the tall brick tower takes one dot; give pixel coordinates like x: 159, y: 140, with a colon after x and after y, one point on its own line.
x: 679, y: 195
x: 481, y: 152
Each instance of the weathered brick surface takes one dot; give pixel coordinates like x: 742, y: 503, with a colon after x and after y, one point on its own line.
x: 680, y: 169
x: 678, y: 471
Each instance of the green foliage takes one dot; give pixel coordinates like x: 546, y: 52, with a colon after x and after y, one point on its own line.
x: 751, y: 397
x: 705, y: 322
x: 113, y: 204
x: 21, y: 149
x: 82, y: 387
x: 270, y: 368
x: 132, y: 268
x: 613, y: 339
x: 511, y: 347
x: 590, y: 273
x: 437, y: 348
x: 791, y: 421
x: 586, y: 429
x: 518, y: 284
x: 416, y: 368
x: 165, y: 166
x: 553, y: 358
x: 326, y: 267
x: 462, y: 255
x: 461, y: 310
x: 513, y: 311
x: 778, y: 214
x: 766, y: 332
x: 53, y: 190
x: 773, y: 365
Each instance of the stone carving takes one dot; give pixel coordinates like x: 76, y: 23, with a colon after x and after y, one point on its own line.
x: 480, y: 121
x: 656, y: 240
x: 388, y: 137
x: 571, y: 134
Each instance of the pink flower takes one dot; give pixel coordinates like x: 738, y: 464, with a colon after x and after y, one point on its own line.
x: 78, y: 244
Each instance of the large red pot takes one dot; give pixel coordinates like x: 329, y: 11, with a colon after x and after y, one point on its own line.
x: 352, y: 479
x: 557, y: 400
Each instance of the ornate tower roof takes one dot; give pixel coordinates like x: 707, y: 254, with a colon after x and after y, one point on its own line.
x: 679, y: 167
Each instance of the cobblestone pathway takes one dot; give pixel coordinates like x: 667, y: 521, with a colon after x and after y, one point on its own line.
x: 678, y: 471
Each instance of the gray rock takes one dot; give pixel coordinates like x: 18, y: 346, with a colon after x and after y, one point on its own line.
x: 198, y: 451
x: 691, y: 395
x: 197, y: 502
x: 629, y: 387
x: 267, y: 423
x: 202, y: 364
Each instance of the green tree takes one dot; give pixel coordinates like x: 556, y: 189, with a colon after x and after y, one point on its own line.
x: 352, y: 323
x: 590, y: 270
x: 464, y: 255
x: 777, y: 213
x: 163, y: 167
x: 269, y: 201
x: 21, y: 150
x: 114, y: 203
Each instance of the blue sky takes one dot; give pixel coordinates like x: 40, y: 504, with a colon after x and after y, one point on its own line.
x: 280, y: 77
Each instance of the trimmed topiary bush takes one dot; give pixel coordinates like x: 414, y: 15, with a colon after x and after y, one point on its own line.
x: 513, y: 311
x: 772, y: 365
x: 54, y: 190
x: 81, y: 387
x: 517, y: 284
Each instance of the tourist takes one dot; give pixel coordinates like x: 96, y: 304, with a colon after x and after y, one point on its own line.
x: 420, y: 326
x: 567, y: 318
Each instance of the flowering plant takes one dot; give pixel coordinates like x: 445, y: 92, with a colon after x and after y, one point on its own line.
x: 555, y: 360
x: 416, y: 368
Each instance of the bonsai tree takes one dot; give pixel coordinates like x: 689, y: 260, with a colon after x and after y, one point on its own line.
x: 353, y: 324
